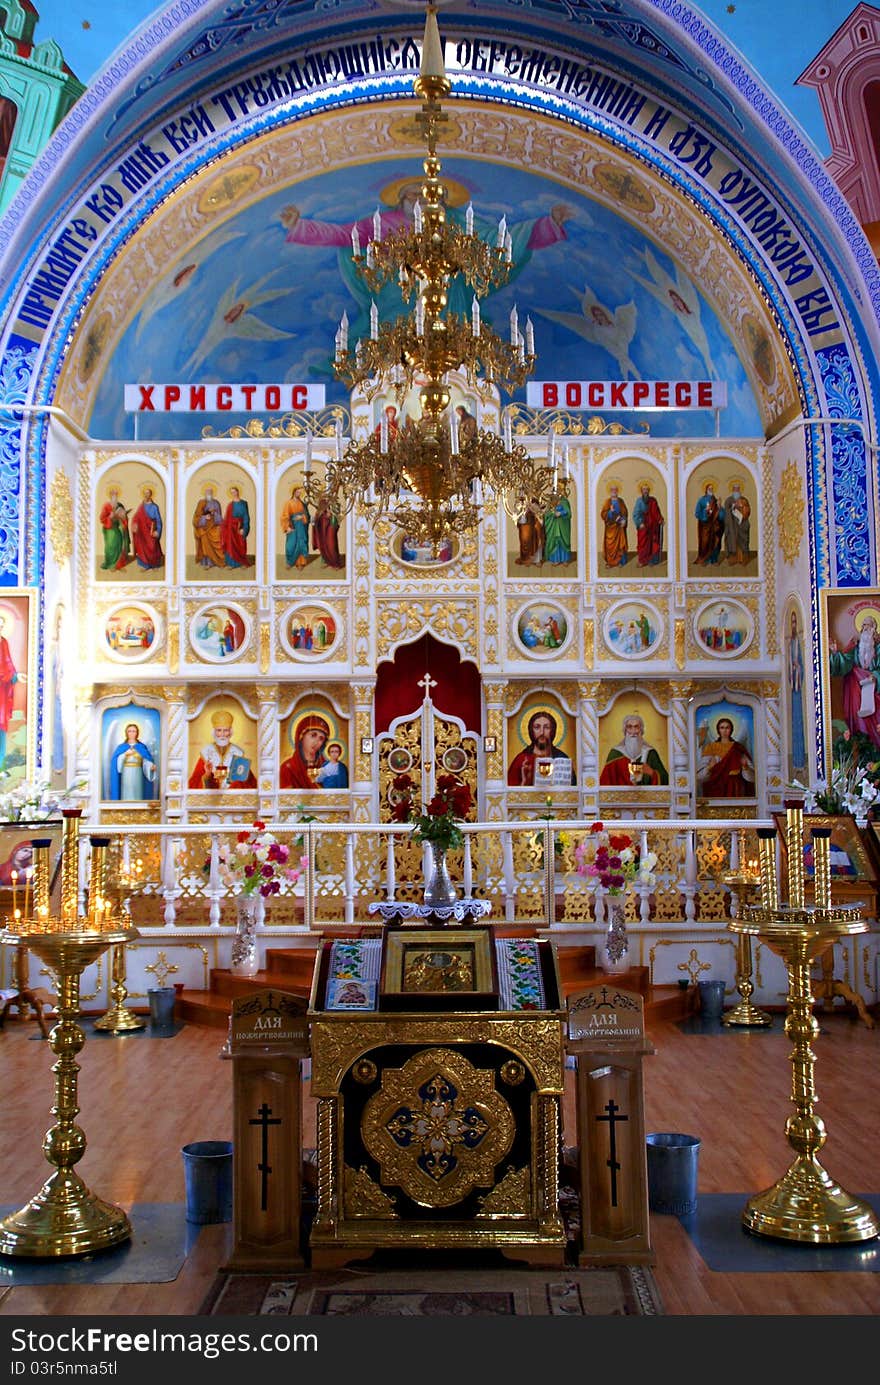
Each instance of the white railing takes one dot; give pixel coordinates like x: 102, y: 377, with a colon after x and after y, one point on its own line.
x: 526, y: 869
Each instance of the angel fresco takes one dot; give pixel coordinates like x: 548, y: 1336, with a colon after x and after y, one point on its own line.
x: 612, y: 329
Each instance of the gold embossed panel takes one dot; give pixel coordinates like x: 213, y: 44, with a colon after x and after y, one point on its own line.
x: 437, y: 1127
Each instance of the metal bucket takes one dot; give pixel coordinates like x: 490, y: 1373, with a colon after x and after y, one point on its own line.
x: 207, y: 1171
x: 711, y: 999
x: 672, y: 1173
x: 162, y: 1000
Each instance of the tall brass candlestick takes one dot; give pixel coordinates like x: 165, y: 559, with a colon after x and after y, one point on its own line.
x: 118, y: 1019
x: 98, y: 879
x: 822, y: 866
x: 767, y: 865
x: 742, y: 884
x: 41, y: 847
x: 70, y: 866
x: 805, y: 1204
x: 65, y: 1217
x: 794, y: 847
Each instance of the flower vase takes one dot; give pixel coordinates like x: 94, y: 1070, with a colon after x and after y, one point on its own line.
x: 244, y: 944
x: 439, y: 889
x: 615, y: 949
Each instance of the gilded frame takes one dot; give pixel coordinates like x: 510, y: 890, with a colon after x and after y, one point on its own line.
x: 414, y: 967
x: 845, y: 837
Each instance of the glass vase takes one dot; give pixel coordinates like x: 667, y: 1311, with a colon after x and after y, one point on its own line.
x: 244, y: 944
x: 615, y: 948
x: 439, y: 889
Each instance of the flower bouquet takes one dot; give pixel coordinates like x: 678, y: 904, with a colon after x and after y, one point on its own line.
x: 438, y: 822
x: 257, y: 863
x: 35, y: 801
x: 611, y: 861
x: 853, y: 785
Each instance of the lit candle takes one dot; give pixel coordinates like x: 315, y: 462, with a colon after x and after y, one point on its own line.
x: 502, y: 232
x: 377, y: 225
x: 343, y: 331
x: 355, y: 240
x: 508, y: 247
x: 469, y: 219
x: 530, y: 337
x: 475, y: 317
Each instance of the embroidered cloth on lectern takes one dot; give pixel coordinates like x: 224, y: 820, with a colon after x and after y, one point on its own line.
x: 520, y: 983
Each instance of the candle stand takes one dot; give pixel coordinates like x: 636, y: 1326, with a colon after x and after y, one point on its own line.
x: 805, y: 1204
x: 743, y: 884
x: 65, y: 1217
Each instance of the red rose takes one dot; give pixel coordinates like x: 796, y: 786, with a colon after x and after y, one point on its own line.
x: 597, y: 827
x: 619, y: 841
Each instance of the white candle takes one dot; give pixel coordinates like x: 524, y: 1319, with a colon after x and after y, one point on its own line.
x: 453, y: 432
x: 417, y: 216
x: 308, y: 462
x: 475, y: 317
x: 374, y: 321
x: 502, y: 232
x: 371, y: 257
x: 508, y: 432
x: 420, y: 317
x: 514, y: 326
x: 377, y: 225
x: 530, y: 337
x: 383, y: 434
x: 339, y: 439
x: 469, y: 219
x: 508, y: 247
x: 355, y: 240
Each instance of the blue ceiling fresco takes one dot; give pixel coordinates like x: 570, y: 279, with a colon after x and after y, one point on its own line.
x: 606, y: 303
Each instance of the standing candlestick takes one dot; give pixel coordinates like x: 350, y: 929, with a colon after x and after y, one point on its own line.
x: 42, y: 872
x: 70, y: 866
x: 97, y: 879
x: 794, y: 847
x: 822, y: 866
x: 743, y: 883
x: 805, y: 1204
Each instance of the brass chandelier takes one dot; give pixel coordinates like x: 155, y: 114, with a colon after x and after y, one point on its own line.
x: 429, y: 475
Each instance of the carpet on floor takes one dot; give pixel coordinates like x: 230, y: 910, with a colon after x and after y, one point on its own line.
x: 161, y: 1239
x: 514, y: 1291
x: 717, y: 1231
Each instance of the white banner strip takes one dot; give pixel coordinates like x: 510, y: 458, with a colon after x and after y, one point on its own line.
x: 218, y: 399
x: 641, y: 395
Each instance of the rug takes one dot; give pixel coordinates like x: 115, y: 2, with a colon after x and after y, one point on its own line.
x: 161, y: 1239
x: 612, y: 1291
x: 717, y: 1231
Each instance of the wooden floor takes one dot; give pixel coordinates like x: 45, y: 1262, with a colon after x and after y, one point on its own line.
x: 142, y: 1099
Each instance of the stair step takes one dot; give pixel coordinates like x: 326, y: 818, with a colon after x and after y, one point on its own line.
x: 224, y: 983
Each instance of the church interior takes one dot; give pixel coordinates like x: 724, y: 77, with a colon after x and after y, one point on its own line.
x: 439, y: 660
